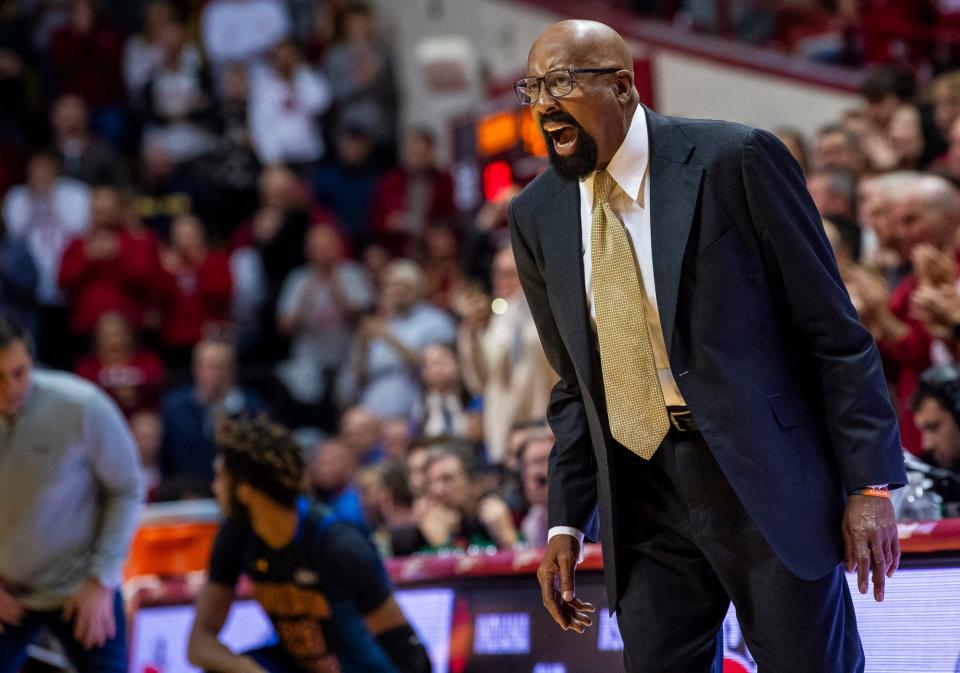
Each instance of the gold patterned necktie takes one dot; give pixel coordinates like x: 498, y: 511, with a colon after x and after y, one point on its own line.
x: 635, y: 406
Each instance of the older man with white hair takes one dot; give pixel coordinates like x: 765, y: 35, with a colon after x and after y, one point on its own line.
x: 388, y: 348
x: 925, y: 216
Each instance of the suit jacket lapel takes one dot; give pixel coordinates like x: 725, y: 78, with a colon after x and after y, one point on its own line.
x: 563, y: 250
x: 674, y: 188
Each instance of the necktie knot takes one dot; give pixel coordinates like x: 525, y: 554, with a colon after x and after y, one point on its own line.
x: 602, y: 187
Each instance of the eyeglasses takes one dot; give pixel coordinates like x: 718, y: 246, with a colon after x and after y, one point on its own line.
x: 559, y: 83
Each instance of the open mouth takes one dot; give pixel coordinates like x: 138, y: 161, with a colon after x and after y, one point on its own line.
x: 564, y: 136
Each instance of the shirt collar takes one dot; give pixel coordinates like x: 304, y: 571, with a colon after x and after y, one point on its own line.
x: 629, y: 164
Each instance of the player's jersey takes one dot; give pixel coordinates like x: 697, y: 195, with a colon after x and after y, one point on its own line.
x: 315, y: 590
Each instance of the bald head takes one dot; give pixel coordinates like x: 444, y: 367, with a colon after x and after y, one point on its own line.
x: 580, y: 80
x: 594, y: 44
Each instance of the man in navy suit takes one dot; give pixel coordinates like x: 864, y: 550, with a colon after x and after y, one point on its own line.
x: 719, y: 402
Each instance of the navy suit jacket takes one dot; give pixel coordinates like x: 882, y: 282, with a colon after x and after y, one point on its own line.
x: 782, y: 379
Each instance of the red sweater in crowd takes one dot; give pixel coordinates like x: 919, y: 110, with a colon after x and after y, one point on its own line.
x: 127, y: 282
x: 391, y: 197
x: 195, y: 297
x: 135, y: 385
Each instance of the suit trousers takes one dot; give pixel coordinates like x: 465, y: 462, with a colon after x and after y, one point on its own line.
x: 688, y: 548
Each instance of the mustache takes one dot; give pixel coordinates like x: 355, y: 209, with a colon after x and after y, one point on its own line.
x: 560, y: 118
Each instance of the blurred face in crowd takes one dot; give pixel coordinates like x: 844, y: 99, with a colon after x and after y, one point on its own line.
x: 441, y: 244
x: 417, y: 470
x: 358, y: 26
x: 536, y: 455
x: 448, y: 483
x: 213, y: 370
x: 881, y: 111
x: 277, y: 187
x: 505, y: 279
x: 440, y: 371
x: 333, y: 467
x: 417, y: 152
x: 324, y: 247
x: 919, y: 222
x: 173, y: 37
x: 401, y: 289
x: 946, y: 106
x: 939, y: 433
x: 42, y: 172
x: 105, y: 209
x: 147, y: 429
x: 156, y: 15
x: 396, y: 438
x: 835, y: 150
x: 70, y: 117
x: 16, y: 365
x: 876, y: 214
x: 828, y: 200
x: 235, y: 83
x: 584, y: 128
x: 187, y: 235
x: 906, y: 136
x: 113, y: 337
x: 285, y: 58
x: 360, y: 429
x: 354, y: 148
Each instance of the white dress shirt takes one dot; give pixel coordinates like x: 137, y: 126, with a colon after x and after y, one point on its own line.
x: 630, y: 200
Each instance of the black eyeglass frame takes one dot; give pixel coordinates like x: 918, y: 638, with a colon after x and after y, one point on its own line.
x: 542, y: 80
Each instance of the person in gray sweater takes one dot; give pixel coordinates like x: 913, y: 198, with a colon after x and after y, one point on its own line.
x: 70, y: 494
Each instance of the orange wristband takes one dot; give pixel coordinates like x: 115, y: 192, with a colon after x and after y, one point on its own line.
x: 875, y: 492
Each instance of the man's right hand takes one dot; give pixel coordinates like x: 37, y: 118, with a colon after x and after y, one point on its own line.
x: 11, y: 610
x: 557, y: 585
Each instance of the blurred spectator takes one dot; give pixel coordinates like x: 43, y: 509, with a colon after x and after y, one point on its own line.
x: 534, y: 457
x: 348, y: 184
x: 19, y: 280
x: 190, y: 413
x: 360, y: 71
x: 945, y: 97
x: 835, y: 195
x: 937, y: 416
x: 837, y: 148
x: 382, y: 373
x: 456, y: 513
x: 242, y: 31
x: 198, y: 289
x: 318, y: 306
x: 87, y: 56
x: 413, y: 196
x: 443, y: 265
x: 444, y: 405
x: 927, y: 216
x: 795, y: 143
x: 84, y: 157
x: 501, y: 356
x: 147, y: 429
x: 108, y: 269
x: 165, y: 190
x: 884, y: 90
x: 396, y: 438
x: 396, y: 511
x: 361, y: 432
x: 45, y: 214
x: 906, y: 138
x: 177, y: 98
x: 286, y: 101
x: 883, y: 247
x: 232, y: 169
x: 332, y: 477
x: 68, y: 511
x: 416, y: 465
x: 143, y: 52
x: 132, y: 376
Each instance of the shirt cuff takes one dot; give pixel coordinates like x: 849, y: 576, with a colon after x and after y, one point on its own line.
x: 572, y: 532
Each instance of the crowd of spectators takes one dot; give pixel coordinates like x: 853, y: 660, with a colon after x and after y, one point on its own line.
x: 923, y: 34
x: 210, y: 211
